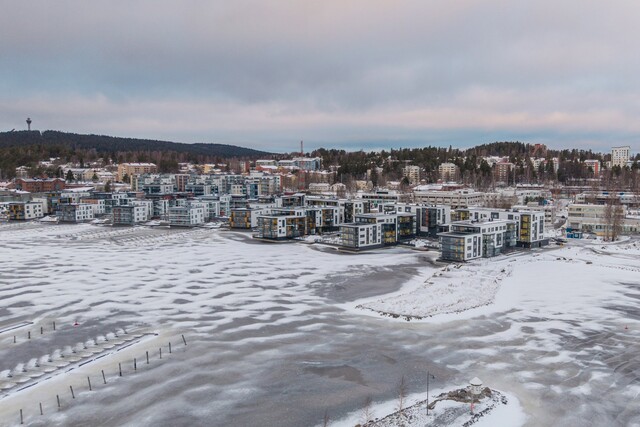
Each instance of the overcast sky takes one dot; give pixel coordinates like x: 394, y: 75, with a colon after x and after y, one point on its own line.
x: 351, y: 74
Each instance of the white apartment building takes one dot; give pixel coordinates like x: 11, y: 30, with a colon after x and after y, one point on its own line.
x: 455, y: 199
x: 79, y: 212
x: 620, y: 156
x: 189, y: 215
x: 530, y: 231
x: 469, y: 240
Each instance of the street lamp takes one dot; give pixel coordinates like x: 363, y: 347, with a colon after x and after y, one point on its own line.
x: 428, y: 377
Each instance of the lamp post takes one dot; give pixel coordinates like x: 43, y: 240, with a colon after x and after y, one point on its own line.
x: 428, y: 377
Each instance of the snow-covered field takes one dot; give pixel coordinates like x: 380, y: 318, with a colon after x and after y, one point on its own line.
x: 274, y: 338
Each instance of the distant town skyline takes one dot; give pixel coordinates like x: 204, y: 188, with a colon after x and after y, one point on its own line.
x: 352, y: 75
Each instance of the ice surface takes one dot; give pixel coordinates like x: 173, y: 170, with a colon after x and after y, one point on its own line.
x: 275, y: 339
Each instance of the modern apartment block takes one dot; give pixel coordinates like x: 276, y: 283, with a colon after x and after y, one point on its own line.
x: 76, y: 212
x: 377, y: 229
x: 282, y: 224
x: 469, y: 240
x: 530, y: 224
x: 190, y: 215
x: 25, y: 210
x: 129, y: 215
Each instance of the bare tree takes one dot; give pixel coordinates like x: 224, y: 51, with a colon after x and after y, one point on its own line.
x: 367, y: 412
x: 402, y: 394
x: 617, y: 220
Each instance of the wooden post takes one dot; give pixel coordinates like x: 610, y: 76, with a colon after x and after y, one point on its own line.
x: 120, y: 368
x: 21, y: 419
x: 169, y: 348
x: 89, y: 381
x: 14, y: 339
x: 58, y: 399
x: 103, y: 377
x: 185, y: 341
x: 160, y: 352
x: 41, y: 330
x: 72, y: 395
x: 29, y: 334
x: 54, y: 326
x: 41, y: 413
x: 135, y: 366
x: 147, y: 357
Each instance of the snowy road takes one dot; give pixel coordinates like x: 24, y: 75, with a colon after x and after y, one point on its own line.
x: 271, y: 345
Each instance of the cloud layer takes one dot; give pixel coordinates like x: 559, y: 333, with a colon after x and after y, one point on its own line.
x: 334, y: 73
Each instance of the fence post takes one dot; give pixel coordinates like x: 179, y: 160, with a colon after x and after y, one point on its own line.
x: 41, y: 413
x: 135, y: 366
x: 185, y: 341
x: 72, y: 395
x: 89, y: 381
x: 21, y: 419
x: 169, y: 347
x: 147, y: 357
x: 54, y: 326
x: 160, y: 352
x: 58, y: 399
x: 103, y: 377
x: 120, y: 368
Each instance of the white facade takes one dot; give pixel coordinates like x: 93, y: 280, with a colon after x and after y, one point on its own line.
x: 187, y: 216
x: 620, y: 156
x: 455, y: 199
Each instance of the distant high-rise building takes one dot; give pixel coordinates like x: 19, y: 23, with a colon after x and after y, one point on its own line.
x: 412, y: 173
x: 620, y: 156
x: 448, y: 171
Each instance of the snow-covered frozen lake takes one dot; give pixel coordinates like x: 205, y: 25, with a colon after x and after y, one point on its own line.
x: 274, y: 338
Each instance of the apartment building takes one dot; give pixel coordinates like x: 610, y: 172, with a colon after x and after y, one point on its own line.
x: 530, y: 224
x: 448, y: 171
x: 455, y: 199
x: 20, y: 211
x: 98, y: 205
x: 131, y: 169
x: 502, y: 172
x: 189, y: 215
x: 281, y: 225
x: 469, y: 240
x: 373, y: 230
x: 129, y: 214
x: 76, y: 212
x: 620, y: 156
x: 40, y: 185
x: 412, y: 173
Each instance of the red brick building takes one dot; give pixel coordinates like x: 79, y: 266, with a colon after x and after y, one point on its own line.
x: 40, y: 185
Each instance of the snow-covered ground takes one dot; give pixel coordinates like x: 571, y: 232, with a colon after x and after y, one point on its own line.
x: 275, y: 338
